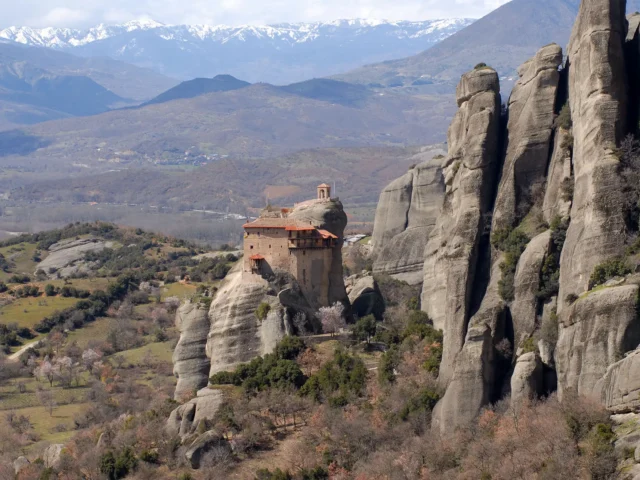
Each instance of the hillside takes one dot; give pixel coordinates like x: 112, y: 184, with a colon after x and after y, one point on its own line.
x: 259, y: 121
x: 504, y: 39
x: 279, y: 54
x: 199, y: 86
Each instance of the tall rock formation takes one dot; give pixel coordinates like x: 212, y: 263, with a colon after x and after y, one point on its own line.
x: 470, y: 170
x: 405, y: 216
x: 597, y: 94
x: 190, y: 362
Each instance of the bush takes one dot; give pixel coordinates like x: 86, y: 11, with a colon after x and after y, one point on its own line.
x: 289, y: 348
x: 513, y: 243
x: 529, y: 345
x: 424, y: 401
x: 262, y: 311
x: 17, y: 278
x: 615, y: 267
x: 50, y: 290
x: 550, y: 275
x: 480, y: 66
x: 345, y: 375
x: 567, y: 186
x: 389, y: 362
x: 365, y: 328
x: 564, y: 119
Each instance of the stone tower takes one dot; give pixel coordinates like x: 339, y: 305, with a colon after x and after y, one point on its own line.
x: 324, y: 192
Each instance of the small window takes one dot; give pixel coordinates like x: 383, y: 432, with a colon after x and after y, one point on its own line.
x: 251, y: 247
x: 269, y: 246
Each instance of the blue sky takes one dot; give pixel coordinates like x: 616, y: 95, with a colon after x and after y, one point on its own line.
x: 84, y: 13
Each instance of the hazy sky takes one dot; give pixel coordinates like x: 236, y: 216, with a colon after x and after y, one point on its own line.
x: 83, y: 13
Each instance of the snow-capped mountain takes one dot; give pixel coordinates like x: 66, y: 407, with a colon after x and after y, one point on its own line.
x: 281, y: 53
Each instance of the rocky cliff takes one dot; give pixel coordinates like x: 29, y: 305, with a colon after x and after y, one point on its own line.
x: 529, y: 268
x: 405, y: 216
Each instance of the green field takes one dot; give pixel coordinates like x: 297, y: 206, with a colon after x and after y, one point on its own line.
x: 27, y: 312
x: 94, y: 331
x: 180, y: 290
x: 22, y: 256
x: 159, y: 351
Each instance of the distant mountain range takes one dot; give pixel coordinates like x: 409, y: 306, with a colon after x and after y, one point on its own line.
x: 279, y: 54
x: 504, y: 39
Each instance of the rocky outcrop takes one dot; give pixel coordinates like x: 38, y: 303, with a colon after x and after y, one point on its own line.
x: 185, y: 419
x: 328, y: 216
x: 204, y: 444
x: 405, y: 216
x: 524, y: 308
x: 236, y: 335
x: 66, y: 258
x: 620, y: 387
x: 595, y: 332
x: 365, y: 296
x: 598, y: 96
x: 52, y: 456
x: 190, y: 363
x: 453, y: 249
x: 557, y: 200
x: 20, y: 463
x: 527, y: 380
x: 530, y: 127
x: 472, y: 383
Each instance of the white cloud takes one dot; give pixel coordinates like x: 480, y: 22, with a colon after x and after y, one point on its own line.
x: 82, y: 13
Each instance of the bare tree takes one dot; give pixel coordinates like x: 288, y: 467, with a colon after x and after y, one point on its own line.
x: 47, y: 400
x: 332, y: 318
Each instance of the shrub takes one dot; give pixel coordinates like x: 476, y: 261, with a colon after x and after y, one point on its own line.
x: 529, y: 345
x: 277, y: 474
x: 365, y: 328
x: 480, y: 66
x: 345, y: 375
x: 571, y: 298
x: 615, y: 267
x: 289, y: 348
x: 389, y: 361
x: 424, y: 401
x: 550, y: 274
x: 564, y: 119
x: 262, y: 311
x: 512, y: 242
x: 567, y: 186
x: 17, y: 278
x: 50, y: 290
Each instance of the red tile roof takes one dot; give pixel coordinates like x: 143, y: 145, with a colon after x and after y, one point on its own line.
x: 280, y: 223
x: 326, y: 234
x: 324, y: 185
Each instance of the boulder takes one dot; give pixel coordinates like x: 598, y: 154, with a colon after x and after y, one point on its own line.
x: 20, y: 463
x: 452, y: 253
x: 595, y: 332
x: 204, y: 444
x: 190, y: 362
x: 620, y: 387
x: 531, y: 115
x: 527, y: 283
x: 598, y: 98
x: 66, y: 257
x: 52, y: 455
x: 405, y: 216
x: 184, y: 420
x: 365, y: 296
x: 527, y: 380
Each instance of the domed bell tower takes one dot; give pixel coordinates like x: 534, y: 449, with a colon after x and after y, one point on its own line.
x: 324, y: 192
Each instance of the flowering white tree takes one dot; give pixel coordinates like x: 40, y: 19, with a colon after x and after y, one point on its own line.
x: 48, y: 370
x: 332, y: 318
x: 89, y: 358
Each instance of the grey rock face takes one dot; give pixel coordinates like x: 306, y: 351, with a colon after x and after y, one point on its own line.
x: 469, y: 171
x: 405, y: 216
x: 184, y: 420
x: 52, y: 456
x: 620, y: 386
x: 556, y: 203
x: 598, y: 96
x: 527, y: 379
x: 595, y: 332
x: 190, y: 363
x: 527, y: 284
x: 531, y: 115
x: 365, y: 296
x: 204, y: 444
x: 236, y: 335
x: 471, y: 385
x: 67, y: 256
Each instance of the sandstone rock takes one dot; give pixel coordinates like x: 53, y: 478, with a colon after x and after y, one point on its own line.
x: 595, y: 332
x: 204, y: 444
x: 184, y: 420
x: 555, y: 202
x: 20, y: 463
x: 452, y: 250
x: 405, y: 217
x: 236, y: 335
x: 531, y: 116
x: 527, y: 284
x: 598, y: 98
x: 471, y: 385
x: 190, y: 362
x: 365, y: 296
x: 52, y: 456
x: 620, y: 386
x: 67, y: 256
x: 527, y: 381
